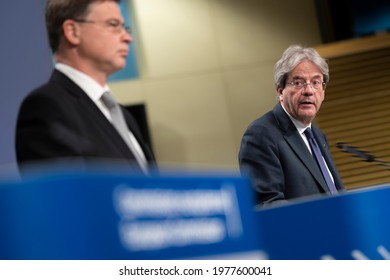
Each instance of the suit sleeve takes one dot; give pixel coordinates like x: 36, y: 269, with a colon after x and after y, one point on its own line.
x: 259, y: 160
x: 45, y: 130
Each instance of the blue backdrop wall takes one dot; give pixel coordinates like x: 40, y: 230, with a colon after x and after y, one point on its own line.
x: 25, y: 63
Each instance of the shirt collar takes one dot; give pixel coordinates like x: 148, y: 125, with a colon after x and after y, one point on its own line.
x: 301, y: 127
x: 85, y: 82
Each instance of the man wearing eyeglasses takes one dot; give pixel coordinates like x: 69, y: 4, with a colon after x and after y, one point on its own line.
x: 284, y: 154
x: 67, y: 120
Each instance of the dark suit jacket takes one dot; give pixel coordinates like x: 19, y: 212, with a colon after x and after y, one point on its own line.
x: 277, y: 160
x: 58, y: 122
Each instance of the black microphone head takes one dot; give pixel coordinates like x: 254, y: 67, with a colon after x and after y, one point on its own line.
x: 342, y: 146
x: 369, y: 158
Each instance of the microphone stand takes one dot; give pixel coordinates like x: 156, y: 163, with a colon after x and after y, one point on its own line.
x: 362, y: 155
x: 382, y: 163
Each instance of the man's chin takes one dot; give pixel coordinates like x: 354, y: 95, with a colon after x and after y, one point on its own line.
x: 307, y: 119
x: 117, y: 68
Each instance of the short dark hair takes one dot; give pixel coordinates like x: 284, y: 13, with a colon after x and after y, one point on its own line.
x: 57, y: 11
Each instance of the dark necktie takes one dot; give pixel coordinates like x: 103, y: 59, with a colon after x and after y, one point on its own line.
x: 120, y: 124
x: 320, y: 160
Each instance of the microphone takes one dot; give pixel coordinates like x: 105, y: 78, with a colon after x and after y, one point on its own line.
x: 353, y: 150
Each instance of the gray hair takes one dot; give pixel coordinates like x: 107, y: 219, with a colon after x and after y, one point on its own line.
x: 294, y: 55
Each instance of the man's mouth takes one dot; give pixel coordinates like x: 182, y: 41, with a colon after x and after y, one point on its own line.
x: 123, y: 52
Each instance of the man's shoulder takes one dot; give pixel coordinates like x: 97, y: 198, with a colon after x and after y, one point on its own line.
x: 57, y: 86
x: 268, y: 119
x: 263, y: 119
x: 263, y: 125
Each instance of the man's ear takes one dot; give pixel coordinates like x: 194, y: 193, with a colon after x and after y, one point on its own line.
x: 279, y: 90
x: 71, y: 31
x: 280, y: 93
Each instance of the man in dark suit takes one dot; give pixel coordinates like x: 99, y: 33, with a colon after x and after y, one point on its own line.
x: 66, y: 120
x: 275, y: 151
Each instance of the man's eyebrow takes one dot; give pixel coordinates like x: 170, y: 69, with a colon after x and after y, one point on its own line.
x: 298, y: 77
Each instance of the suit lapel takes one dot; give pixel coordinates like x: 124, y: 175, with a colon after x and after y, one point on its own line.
x: 93, y: 112
x: 297, y: 145
x: 131, y: 123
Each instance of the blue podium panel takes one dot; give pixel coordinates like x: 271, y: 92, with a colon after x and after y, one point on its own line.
x: 353, y: 225
x: 96, y: 216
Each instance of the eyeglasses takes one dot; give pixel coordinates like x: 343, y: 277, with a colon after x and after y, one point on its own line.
x: 115, y: 25
x: 299, y: 84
